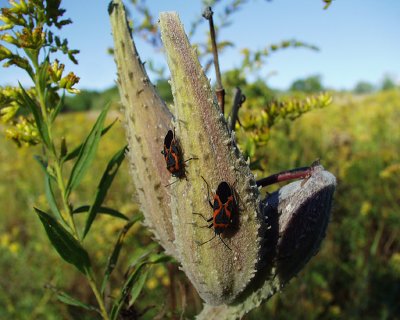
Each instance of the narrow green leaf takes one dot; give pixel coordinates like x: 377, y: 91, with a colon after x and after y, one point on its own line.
x: 86, y: 153
x: 43, y: 73
x: 43, y: 164
x: 63, y: 147
x: 58, y: 108
x: 40, y: 123
x: 113, y: 258
x: 48, y: 189
x: 66, y: 245
x: 137, y: 287
x: 160, y: 258
x: 51, y: 199
x: 74, y: 153
x: 102, y: 210
x: 133, y: 278
x: 141, y: 253
x: 104, y: 185
x: 67, y: 299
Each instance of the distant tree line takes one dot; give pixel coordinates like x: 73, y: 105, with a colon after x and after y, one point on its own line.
x: 94, y: 100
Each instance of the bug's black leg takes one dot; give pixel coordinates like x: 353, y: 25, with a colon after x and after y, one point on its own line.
x: 192, y: 158
x: 200, y: 244
x: 223, y: 242
x: 208, y: 227
x: 171, y: 183
x: 204, y: 218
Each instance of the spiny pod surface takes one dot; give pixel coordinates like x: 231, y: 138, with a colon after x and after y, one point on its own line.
x: 218, y: 272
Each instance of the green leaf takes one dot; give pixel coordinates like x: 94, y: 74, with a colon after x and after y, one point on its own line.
x: 48, y: 189
x: 74, y: 153
x: 43, y: 74
x: 113, y: 258
x: 102, y: 210
x: 58, y: 108
x: 43, y: 164
x: 67, y: 299
x: 51, y: 199
x: 104, y: 185
x: 87, y: 153
x: 40, y: 123
x: 141, y: 253
x: 160, y: 258
x: 66, y: 245
x: 134, y: 279
x: 137, y: 287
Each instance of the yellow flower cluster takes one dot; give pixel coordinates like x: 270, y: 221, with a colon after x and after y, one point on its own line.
x: 23, y: 132
x: 159, y: 277
x: 258, y: 120
x: 7, y: 243
x: 392, y: 170
x: 20, y: 129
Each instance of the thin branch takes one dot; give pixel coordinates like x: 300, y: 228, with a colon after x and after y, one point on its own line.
x: 237, y: 103
x: 298, y: 173
x: 219, y: 90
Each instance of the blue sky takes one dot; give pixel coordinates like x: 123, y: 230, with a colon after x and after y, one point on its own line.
x: 359, y: 40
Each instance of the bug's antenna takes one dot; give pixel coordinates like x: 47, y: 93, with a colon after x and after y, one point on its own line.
x: 208, y: 191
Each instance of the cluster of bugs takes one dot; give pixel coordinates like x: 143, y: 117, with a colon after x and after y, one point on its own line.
x: 225, y: 204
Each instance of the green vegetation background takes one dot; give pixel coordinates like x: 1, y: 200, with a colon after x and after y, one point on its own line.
x: 356, y: 274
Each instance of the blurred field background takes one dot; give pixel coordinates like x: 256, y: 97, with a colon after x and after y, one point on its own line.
x: 356, y: 274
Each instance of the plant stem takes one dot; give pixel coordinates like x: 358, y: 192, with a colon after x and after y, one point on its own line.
x: 97, y: 294
x: 61, y: 186
x: 219, y: 90
x: 237, y: 103
x: 57, y: 164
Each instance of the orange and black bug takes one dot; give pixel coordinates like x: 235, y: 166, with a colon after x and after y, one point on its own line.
x: 173, y: 155
x: 225, y: 210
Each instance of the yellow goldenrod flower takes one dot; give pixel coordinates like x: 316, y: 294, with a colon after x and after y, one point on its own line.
x: 7, y: 113
x: 4, y: 240
x: 4, y: 53
x: 152, y: 283
x: 8, y: 38
x: 365, y: 208
x: 14, y: 247
x: 389, y: 171
x: 6, y: 27
x: 68, y: 82
x: 160, y: 271
x: 165, y: 281
x: 56, y: 70
x: 23, y: 132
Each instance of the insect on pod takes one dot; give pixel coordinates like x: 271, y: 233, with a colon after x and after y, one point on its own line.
x: 173, y: 155
x: 225, y: 211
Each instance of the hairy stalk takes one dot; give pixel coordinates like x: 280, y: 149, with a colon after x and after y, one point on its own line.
x: 219, y: 90
x: 147, y: 121
x: 203, y: 133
